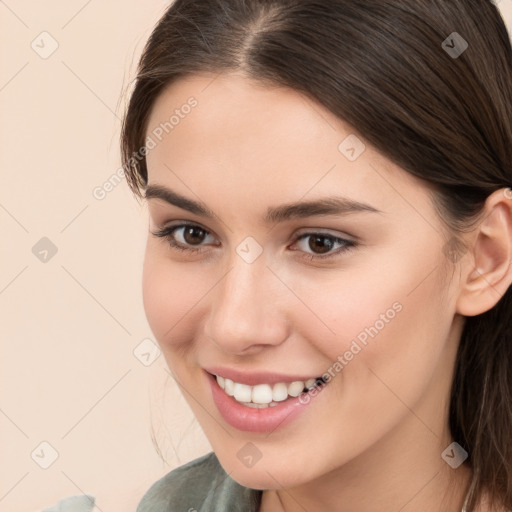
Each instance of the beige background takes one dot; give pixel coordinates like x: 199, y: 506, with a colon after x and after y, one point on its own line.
x: 77, y: 366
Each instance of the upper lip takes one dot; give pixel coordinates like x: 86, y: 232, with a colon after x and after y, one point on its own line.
x: 255, y: 378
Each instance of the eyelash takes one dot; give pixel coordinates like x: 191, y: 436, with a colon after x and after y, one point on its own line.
x: 168, y: 232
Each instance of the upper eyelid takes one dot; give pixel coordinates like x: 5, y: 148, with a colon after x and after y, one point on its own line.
x: 307, y: 232
x: 183, y: 224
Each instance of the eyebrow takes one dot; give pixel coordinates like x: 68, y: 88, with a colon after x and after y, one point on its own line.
x: 330, y: 205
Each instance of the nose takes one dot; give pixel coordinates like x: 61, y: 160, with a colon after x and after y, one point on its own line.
x: 247, y: 309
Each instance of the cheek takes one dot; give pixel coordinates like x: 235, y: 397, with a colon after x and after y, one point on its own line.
x: 394, y: 323
x: 345, y: 312
x: 169, y: 296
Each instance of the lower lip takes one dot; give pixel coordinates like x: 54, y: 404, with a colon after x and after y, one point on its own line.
x: 250, y: 419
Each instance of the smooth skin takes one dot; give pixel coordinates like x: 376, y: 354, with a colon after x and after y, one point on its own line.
x: 372, y: 439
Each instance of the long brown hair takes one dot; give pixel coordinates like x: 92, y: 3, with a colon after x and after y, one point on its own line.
x: 429, y: 84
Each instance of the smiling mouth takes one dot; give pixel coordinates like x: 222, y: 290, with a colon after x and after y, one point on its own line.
x: 262, y: 396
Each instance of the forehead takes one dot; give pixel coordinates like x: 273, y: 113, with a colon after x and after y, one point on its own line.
x: 234, y: 114
x: 259, y: 144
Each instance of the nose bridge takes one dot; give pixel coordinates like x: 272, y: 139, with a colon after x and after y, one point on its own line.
x: 242, y: 313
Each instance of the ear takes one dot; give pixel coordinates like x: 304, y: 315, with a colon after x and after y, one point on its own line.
x: 488, y: 271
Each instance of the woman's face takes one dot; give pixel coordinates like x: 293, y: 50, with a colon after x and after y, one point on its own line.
x: 311, y: 255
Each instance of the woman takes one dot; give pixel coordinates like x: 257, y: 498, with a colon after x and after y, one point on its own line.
x: 328, y: 263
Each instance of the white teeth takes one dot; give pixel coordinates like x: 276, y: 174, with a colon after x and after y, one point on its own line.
x: 229, y: 387
x: 256, y: 406
x: 310, y: 383
x: 259, y: 406
x: 242, y: 392
x: 295, y: 388
x: 280, y: 392
x: 264, y: 395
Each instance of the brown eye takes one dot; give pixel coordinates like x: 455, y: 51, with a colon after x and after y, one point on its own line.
x: 185, y: 236
x: 194, y: 235
x: 320, y: 244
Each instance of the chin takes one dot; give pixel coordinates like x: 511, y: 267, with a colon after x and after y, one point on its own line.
x: 266, y: 475
x: 261, y: 480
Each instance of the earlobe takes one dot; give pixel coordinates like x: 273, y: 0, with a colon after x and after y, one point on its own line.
x: 489, y: 269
